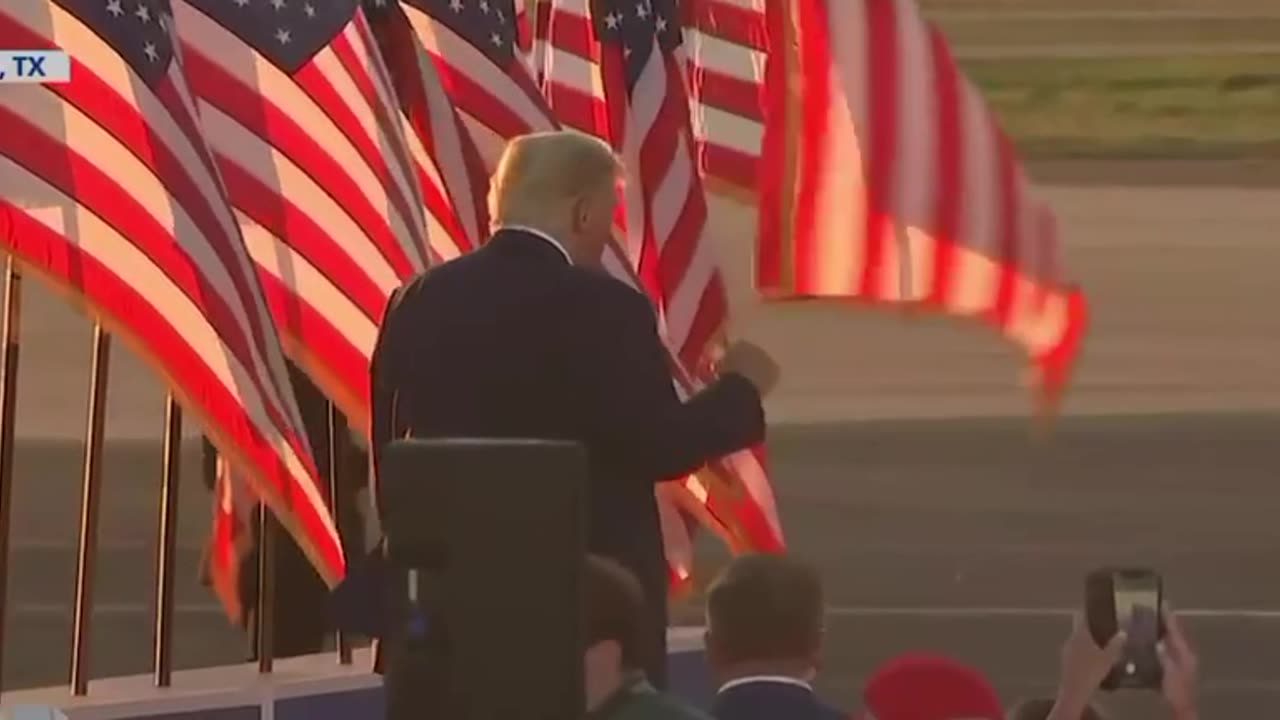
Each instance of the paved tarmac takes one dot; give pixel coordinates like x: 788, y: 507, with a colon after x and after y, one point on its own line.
x: 996, y: 31
x: 903, y: 459
x: 964, y: 536
x: 1149, y: 8
x: 1123, y: 14
x: 1038, y: 50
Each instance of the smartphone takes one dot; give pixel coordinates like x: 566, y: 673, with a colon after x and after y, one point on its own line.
x: 1129, y: 599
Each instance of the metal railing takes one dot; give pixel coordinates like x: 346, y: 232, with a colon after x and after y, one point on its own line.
x: 87, y: 548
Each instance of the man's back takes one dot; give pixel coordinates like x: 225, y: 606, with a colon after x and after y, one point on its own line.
x: 499, y: 343
x: 514, y: 341
x: 479, y: 346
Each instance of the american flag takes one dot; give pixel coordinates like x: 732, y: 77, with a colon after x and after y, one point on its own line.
x: 297, y: 106
x: 724, y: 55
x: 666, y: 205
x: 489, y: 77
x: 473, y: 44
x: 902, y: 189
x: 613, y: 69
x: 524, y: 29
x: 728, y: 45
x: 124, y: 212
x: 450, y: 170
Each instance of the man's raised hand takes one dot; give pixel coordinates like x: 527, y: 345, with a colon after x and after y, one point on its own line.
x: 751, y: 362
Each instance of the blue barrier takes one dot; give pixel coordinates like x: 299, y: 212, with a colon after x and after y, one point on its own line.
x: 314, y: 687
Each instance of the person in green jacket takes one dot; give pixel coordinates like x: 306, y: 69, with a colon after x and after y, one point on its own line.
x: 614, y: 631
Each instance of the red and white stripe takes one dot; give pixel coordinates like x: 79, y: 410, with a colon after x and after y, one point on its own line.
x: 569, y: 70
x: 451, y: 172
x: 668, y: 254
x: 906, y: 191
x: 727, y: 46
x: 666, y: 205
x: 123, y: 211
x: 317, y: 161
x: 524, y: 28
x: 725, y: 52
x: 494, y: 102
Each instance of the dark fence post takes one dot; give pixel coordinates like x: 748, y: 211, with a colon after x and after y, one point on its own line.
x: 89, y: 511
x: 264, y: 616
x: 8, y: 404
x: 337, y: 463
x: 165, y: 543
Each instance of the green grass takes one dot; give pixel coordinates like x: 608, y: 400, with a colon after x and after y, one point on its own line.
x: 1215, y: 107
x: 995, y: 31
x: 1089, y: 5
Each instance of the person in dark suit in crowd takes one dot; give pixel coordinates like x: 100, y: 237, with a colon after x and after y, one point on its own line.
x: 764, y: 640
x: 301, y: 619
x: 614, y: 632
x: 529, y: 337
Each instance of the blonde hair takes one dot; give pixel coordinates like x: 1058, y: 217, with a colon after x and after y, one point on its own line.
x: 540, y: 172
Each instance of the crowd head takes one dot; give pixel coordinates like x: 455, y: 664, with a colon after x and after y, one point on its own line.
x: 927, y: 686
x: 612, y: 628
x: 765, y: 615
x: 765, y: 623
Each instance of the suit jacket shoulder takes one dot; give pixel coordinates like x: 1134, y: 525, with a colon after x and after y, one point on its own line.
x: 612, y: 300
x: 610, y: 287
x: 772, y: 701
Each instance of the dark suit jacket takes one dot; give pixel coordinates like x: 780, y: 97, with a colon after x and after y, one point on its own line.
x: 766, y: 700
x: 513, y: 341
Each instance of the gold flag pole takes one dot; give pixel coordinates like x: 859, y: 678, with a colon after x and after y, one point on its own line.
x: 89, y: 504
x: 8, y: 404
x: 337, y: 459
x: 162, y: 648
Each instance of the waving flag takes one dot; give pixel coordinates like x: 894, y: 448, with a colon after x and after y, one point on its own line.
x: 904, y: 190
x: 649, y: 112
x: 630, y: 54
x: 725, y: 45
x: 123, y: 212
x: 728, y: 44
x: 473, y: 44
x: 450, y: 170
x: 524, y: 28
x: 619, y: 78
x: 613, y: 69
x: 297, y: 106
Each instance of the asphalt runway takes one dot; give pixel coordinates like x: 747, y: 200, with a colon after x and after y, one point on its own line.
x: 903, y: 458
x: 968, y: 537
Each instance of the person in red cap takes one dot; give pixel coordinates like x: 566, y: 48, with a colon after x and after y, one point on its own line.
x: 922, y: 686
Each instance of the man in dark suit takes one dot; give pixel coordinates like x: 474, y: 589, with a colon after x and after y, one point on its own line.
x: 529, y: 337
x: 764, y: 640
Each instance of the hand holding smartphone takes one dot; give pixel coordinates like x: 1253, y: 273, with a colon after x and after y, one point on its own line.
x: 1129, y: 600
x: 1127, y: 637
